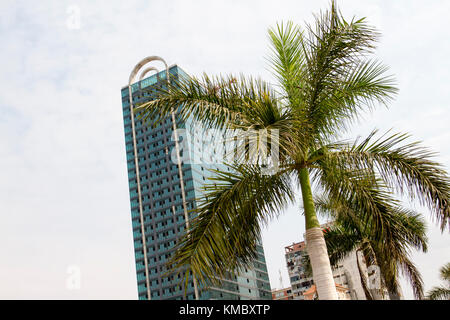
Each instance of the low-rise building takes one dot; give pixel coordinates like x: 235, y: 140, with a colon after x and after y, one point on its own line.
x: 311, y: 293
x: 346, y: 274
x: 282, y: 294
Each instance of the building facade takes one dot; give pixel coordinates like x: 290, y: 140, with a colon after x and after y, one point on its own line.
x: 282, y: 294
x: 342, y: 293
x: 164, y: 185
x: 346, y: 275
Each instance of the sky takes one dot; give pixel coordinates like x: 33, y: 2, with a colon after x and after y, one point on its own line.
x: 65, y: 224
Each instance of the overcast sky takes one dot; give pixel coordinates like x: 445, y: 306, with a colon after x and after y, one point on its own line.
x: 64, y: 198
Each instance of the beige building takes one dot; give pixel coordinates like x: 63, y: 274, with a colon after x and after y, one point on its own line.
x: 311, y: 293
x: 282, y: 294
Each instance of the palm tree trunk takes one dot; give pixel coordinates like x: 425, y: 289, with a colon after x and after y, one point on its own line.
x: 363, y: 278
x: 315, y: 244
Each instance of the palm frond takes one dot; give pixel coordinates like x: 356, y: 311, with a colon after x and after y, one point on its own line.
x: 213, y: 101
x: 403, y: 230
x: 347, y: 98
x: 442, y: 292
x: 340, y: 243
x: 439, y: 293
x: 445, y: 272
x: 287, y: 61
x: 340, y: 79
x: 359, y: 190
x: 224, y: 234
x: 409, y: 228
x: 244, y: 106
x: 414, y: 277
x: 407, y: 167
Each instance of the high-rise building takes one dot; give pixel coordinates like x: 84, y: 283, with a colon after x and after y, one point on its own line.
x: 161, y: 198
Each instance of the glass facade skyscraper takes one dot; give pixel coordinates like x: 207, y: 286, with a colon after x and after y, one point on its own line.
x: 158, y: 215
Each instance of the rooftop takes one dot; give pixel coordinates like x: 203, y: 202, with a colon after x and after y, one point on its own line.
x: 299, y: 246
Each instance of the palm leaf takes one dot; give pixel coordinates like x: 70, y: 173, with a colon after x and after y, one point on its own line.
x: 445, y: 272
x: 224, y: 234
x: 408, y: 168
x: 287, y: 61
x: 403, y: 230
x: 340, y: 79
x: 442, y: 292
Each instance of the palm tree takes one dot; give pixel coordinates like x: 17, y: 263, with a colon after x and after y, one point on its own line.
x: 404, y: 230
x: 442, y: 292
x: 326, y: 78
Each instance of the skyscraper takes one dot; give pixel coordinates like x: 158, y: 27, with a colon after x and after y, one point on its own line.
x: 161, y: 198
